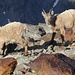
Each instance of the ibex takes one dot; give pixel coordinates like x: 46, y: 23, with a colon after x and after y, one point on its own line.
x: 64, y: 19
x: 10, y: 33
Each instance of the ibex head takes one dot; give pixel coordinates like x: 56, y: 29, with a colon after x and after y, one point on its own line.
x: 47, y: 16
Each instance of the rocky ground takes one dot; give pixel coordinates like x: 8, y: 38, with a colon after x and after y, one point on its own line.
x: 42, y: 36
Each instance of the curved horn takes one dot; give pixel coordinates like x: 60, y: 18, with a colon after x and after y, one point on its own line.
x: 50, y: 9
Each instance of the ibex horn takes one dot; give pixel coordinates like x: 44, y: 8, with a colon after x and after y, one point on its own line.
x: 44, y: 11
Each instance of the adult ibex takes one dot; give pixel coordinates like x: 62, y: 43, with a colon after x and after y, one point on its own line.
x: 64, y: 19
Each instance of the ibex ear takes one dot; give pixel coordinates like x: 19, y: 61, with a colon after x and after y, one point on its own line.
x: 43, y: 13
x: 52, y: 12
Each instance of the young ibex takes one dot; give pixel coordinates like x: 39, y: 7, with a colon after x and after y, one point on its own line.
x: 64, y: 19
x: 12, y: 33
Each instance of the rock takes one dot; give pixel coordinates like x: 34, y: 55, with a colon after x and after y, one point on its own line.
x: 30, y: 73
x: 45, y: 27
x: 41, y: 42
x: 52, y: 36
x: 59, y: 48
x: 47, y: 37
x: 23, y: 70
x: 7, y: 66
x: 33, y: 32
x: 53, y: 64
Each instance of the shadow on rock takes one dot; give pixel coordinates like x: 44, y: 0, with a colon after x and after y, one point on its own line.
x: 45, y: 45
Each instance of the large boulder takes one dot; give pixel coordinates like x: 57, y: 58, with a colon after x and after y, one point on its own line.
x: 7, y: 66
x: 53, y: 64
